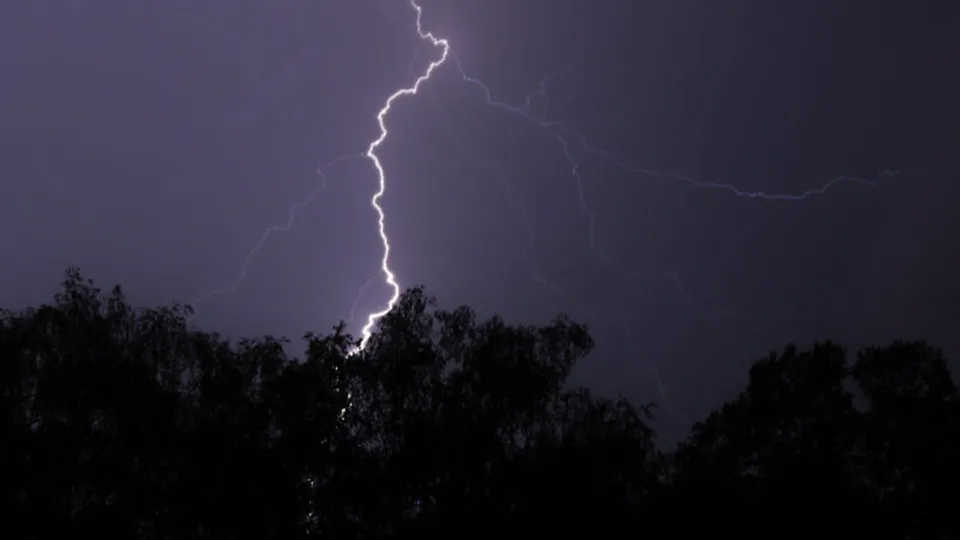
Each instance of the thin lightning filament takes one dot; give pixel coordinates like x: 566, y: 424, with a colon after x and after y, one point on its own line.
x: 371, y: 153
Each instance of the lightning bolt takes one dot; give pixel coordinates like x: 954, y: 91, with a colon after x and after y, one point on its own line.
x: 563, y: 134
x: 371, y: 154
x: 571, y: 142
x: 568, y: 138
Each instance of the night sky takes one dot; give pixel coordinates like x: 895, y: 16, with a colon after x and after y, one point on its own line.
x: 152, y: 144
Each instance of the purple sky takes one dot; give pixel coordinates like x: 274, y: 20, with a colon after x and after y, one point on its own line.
x: 152, y: 143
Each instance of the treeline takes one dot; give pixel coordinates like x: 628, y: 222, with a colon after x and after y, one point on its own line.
x: 124, y: 423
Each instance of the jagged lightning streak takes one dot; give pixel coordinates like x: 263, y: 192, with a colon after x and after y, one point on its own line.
x: 565, y: 135
x: 561, y: 132
x: 371, y: 153
x: 569, y: 138
x: 270, y: 231
x: 539, y: 118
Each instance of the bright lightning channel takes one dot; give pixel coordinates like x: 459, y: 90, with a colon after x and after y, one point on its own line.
x: 564, y: 135
x: 391, y: 279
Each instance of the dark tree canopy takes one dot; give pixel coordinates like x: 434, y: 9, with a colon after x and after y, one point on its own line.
x: 127, y: 423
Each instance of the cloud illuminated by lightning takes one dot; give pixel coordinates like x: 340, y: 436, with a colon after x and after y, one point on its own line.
x: 371, y: 153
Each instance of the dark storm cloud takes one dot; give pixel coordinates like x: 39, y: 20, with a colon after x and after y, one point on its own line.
x: 152, y: 144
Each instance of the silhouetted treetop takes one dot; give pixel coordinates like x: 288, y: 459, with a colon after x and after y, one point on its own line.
x: 131, y: 423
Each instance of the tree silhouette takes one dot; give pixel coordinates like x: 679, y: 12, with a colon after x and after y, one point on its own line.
x: 127, y: 423
x: 911, y: 437
x: 797, y: 449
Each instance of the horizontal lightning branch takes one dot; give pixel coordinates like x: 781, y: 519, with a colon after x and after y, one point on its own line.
x: 564, y: 134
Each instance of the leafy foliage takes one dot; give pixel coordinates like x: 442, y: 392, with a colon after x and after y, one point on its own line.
x: 128, y: 423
